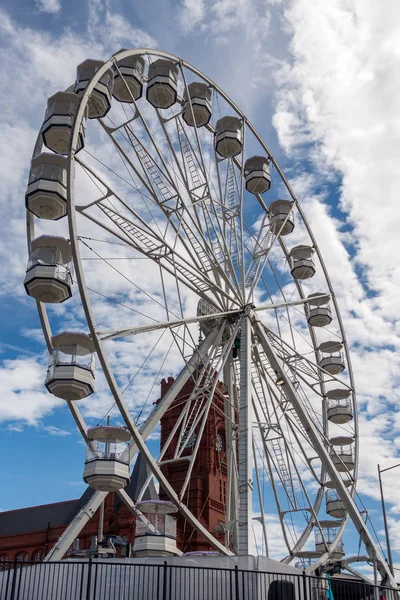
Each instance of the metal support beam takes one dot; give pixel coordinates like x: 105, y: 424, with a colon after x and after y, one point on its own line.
x: 76, y: 525
x: 318, y: 443
x: 245, y: 435
x: 231, y: 533
x: 388, y: 546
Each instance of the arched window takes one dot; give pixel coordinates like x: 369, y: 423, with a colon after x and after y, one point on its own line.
x: 37, y: 556
x: 4, y: 560
x: 22, y: 557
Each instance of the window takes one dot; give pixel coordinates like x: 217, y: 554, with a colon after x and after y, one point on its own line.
x: 22, y: 557
x: 219, y: 444
x: 38, y: 556
x: 4, y: 559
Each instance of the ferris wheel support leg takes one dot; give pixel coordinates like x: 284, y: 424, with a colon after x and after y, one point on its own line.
x: 75, y: 527
x: 169, y: 397
x: 245, y: 436
x: 318, y: 444
x: 231, y: 533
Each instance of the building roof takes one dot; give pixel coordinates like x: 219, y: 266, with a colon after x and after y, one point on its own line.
x: 37, y: 518
x: 138, y: 478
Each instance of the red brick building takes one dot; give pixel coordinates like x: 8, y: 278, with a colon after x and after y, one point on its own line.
x: 206, y: 492
x: 28, y: 534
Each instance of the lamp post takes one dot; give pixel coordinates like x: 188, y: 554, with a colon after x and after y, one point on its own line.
x: 389, y: 550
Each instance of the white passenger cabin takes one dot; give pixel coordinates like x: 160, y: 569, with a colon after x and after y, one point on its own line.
x: 100, y: 99
x: 301, y: 262
x: 281, y: 217
x: 162, y: 81
x: 332, y: 359
x: 339, y: 408
x: 323, y: 540
x: 342, y: 453
x: 334, y: 506
x: 58, y: 120
x: 48, y: 276
x: 307, y: 558
x: 229, y: 136
x: 319, y: 312
x: 106, y: 466
x: 157, y: 537
x: 257, y: 175
x: 128, y: 79
x: 71, y: 369
x: 46, y: 194
x: 197, y: 110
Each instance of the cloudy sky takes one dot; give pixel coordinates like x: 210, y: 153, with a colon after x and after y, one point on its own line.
x: 320, y: 82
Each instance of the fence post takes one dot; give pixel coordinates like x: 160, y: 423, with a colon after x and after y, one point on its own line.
x: 14, y: 581
x: 237, y: 583
x: 164, y: 594
x: 304, y: 586
x: 89, y: 579
x: 8, y: 563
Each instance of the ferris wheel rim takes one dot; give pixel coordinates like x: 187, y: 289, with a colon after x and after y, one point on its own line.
x: 71, y: 167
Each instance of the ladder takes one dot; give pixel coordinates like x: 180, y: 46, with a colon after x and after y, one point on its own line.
x: 143, y: 240
x: 153, y: 171
x: 186, y: 149
x: 283, y: 468
x: 144, y: 243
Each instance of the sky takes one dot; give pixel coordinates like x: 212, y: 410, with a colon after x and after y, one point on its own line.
x: 320, y: 83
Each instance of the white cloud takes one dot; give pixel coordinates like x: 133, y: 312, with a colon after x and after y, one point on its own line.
x: 192, y: 13
x: 48, y: 6
x: 23, y: 395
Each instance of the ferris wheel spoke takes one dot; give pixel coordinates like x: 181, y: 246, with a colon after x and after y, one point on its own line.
x: 157, y: 184
x: 191, y: 422
x: 167, y: 193
x: 286, y: 456
x: 153, y: 248
x: 116, y: 333
x: 267, y: 236
x: 206, y: 214
x: 200, y: 355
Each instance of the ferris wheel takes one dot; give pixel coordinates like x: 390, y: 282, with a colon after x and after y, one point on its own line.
x: 161, y: 222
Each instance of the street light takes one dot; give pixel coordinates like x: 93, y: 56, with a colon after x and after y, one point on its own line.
x: 389, y: 550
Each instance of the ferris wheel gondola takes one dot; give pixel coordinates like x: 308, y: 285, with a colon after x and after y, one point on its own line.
x: 177, y: 179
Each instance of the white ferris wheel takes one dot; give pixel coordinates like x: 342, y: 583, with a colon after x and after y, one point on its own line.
x: 161, y: 221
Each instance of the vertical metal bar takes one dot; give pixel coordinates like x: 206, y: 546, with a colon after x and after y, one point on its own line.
x: 261, y: 499
x: 245, y: 441
x: 82, y: 577
x: 304, y: 578
x: 89, y: 577
x: 95, y: 580
x: 8, y: 575
x: 14, y: 581
x: 236, y: 582
x: 231, y: 517
x: 388, y: 546
x: 101, y: 523
x: 164, y: 590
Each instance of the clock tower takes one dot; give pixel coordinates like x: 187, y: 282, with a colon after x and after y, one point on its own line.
x: 206, y: 493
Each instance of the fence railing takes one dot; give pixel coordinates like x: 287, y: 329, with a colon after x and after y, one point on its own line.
x: 116, y: 580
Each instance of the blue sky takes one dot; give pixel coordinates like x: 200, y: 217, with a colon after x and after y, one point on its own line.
x: 319, y: 83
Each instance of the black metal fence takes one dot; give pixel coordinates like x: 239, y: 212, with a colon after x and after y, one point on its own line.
x: 113, y: 580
